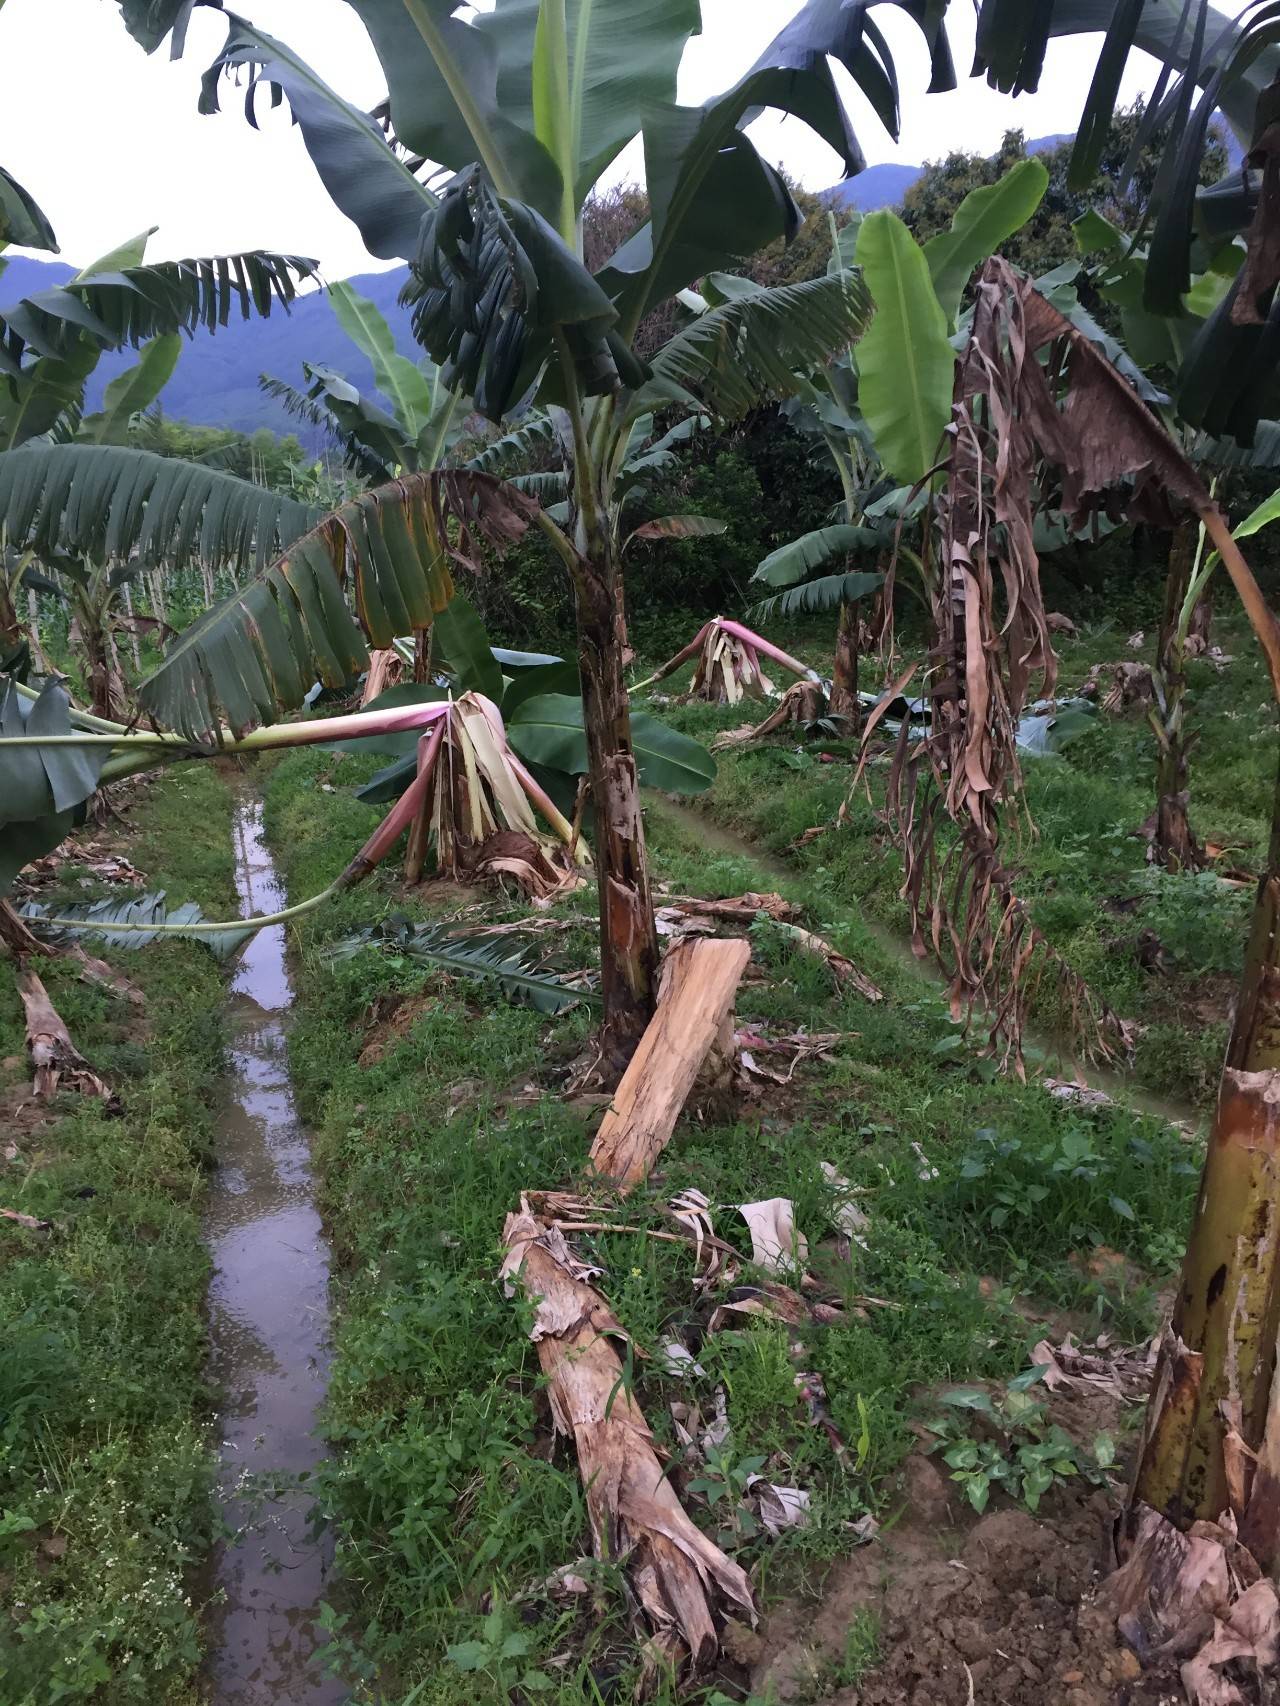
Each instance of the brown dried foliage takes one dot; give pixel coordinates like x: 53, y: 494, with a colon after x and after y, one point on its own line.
x: 1019, y: 426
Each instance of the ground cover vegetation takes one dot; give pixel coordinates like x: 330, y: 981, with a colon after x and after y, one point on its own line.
x: 104, y: 1410
x: 875, y: 1245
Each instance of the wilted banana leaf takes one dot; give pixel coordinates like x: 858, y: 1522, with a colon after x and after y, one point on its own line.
x: 135, y: 924
x: 678, y: 527
x: 518, y: 963
x: 1044, y: 729
x: 548, y: 730
x: 256, y: 655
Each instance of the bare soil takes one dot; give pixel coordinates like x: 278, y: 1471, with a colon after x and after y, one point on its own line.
x: 1000, y: 1609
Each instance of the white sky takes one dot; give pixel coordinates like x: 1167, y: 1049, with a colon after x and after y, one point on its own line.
x: 109, y: 141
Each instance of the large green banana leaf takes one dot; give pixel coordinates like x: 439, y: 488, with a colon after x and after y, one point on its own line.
x: 21, y: 220
x: 752, y: 348
x: 406, y: 387
x: 134, y: 390
x: 906, y: 365
x: 365, y: 177
x: 622, y: 57
x: 983, y: 220
x: 826, y: 592
x: 114, y: 503
x: 798, y: 559
x: 547, y: 730
x: 464, y: 649
x: 256, y: 655
x: 443, y: 76
x: 43, y: 789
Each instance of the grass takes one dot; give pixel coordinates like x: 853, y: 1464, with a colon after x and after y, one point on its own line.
x: 452, y: 1504
x: 1163, y: 951
x: 104, y: 1451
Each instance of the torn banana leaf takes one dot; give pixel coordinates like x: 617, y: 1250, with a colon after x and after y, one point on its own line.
x: 520, y: 964
x: 136, y: 923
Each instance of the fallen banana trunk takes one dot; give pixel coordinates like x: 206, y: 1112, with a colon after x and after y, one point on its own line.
x: 678, y: 1573
x: 803, y: 702
x: 386, y: 670
x: 56, y: 1060
x: 480, y: 808
x: 633, y: 1507
x: 27, y: 1220
x: 699, y: 982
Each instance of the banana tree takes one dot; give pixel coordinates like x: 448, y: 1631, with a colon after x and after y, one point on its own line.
x: 425, y: 421
x: 528, y: 105
x: 532, y: 709
x: 1118, y: 271
x: 906, y: 411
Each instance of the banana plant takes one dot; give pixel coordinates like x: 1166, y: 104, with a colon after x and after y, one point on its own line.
x: 527, y: 106
x: 52, y: 340
x: 537, y: 698
x: 425, y: 422
x: 1159, y: 346
x: 881, y: 407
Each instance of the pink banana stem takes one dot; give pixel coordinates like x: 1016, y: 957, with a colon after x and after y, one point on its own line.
x: 540, y: 800
x: 537, y: 796
x: 402, y: 813
x: 396, y: 720
x: 756, y: 643
x: 673, y: 664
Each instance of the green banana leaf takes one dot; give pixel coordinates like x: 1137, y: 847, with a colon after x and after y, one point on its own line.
x: 983, y: 220
x: 405, y: 386
x: 906, y: 365
x: 365, y: 177
x: 548, y: 730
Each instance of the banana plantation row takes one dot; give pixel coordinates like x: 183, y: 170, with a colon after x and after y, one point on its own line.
x: 976, y: 418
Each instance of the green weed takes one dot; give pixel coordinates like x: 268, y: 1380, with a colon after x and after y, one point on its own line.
x: 104, y: 1456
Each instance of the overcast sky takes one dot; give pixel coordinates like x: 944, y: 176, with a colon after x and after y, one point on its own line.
x: 109, y: 141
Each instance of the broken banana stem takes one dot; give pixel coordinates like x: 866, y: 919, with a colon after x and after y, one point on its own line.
x: 678, y: 1573
x: 634, y: 1511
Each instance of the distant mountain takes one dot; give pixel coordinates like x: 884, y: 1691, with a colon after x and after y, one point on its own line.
x: 886, y: 185
x: 878, y: 186
x: 216, y: 380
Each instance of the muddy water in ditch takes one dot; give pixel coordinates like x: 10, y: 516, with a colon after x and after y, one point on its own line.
x: 1044, y: 1053
x: 269, y: 1314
